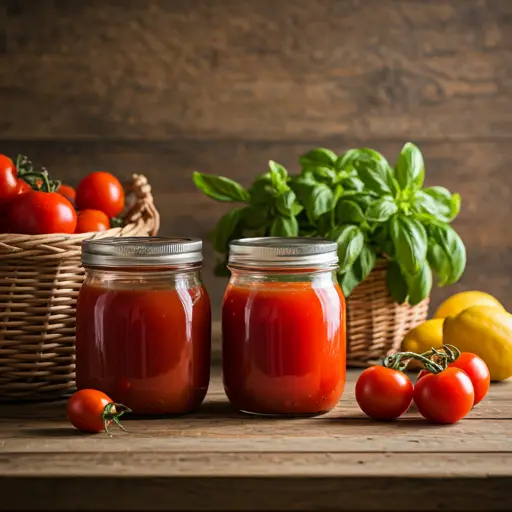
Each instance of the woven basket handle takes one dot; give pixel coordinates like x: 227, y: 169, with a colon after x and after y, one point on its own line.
x: 144, y: 205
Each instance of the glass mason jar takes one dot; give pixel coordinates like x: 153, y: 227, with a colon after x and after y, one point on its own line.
x: 143, y: 323
x: 283, y: 327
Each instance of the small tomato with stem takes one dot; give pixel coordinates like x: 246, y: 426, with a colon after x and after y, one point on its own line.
x: 444, y: 397
x: 384, y: 393
x: 472, y: 365
x: 478, y: 372
x: 92, y: 411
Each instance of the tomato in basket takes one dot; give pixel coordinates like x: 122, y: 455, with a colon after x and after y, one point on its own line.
x: 91, y: 220
x: 100, y: 191
x: 8, y: 179
x: 38, y: 213
x: 68, y: 192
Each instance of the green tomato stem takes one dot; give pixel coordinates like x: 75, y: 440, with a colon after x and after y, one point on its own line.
x: 111, y: 414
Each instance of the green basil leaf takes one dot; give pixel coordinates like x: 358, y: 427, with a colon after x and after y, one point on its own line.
x: 350, y: 240
x: 278, y: 175
x: 396, y: 283
x: 440, y: 262
x: 453, y: 246
x: 348, y: 281
x: 306, y: 177
x: 284, y: 226
x: 363, y: 199
x: 455, y: 206
x: 410, y: 241
x: 262, y: 191
x: 381, y: 210
x: 226, y: 229
x: 303, y: 186
x: 365, y: 263
x: 254, y: 232
x: 220, y: 188
x: 309, y: 232
x: 319, y: 156
x: 382, y: 238
x: 324, y: 224
x: 373, y: 170
x: 255, y: 217
x: 440, y: 194
x: 286, y: 204
x: 319, y: 200
x: 324, y: 174
x: 438, y: 202
x: 349, y: 211
x: 419, y: 285
x: 425, y: 203
x: 353, y: 183
x: 354, y: 157
x: 410, y: 168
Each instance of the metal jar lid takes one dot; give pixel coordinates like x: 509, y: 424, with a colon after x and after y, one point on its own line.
x: 278, y: 252
x: 141, y: 251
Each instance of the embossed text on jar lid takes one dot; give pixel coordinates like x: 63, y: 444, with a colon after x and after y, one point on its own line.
x: 141, y: 251
x: 276, y: 252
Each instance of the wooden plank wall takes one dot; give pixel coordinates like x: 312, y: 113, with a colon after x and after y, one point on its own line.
x: 166, y: 87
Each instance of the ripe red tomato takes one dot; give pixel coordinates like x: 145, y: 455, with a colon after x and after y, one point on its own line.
x: 444, y: 397
x: 384, y: 393
x: 92, y: 220
x: 90, y: 410
x: 100, y: 191
x: 37, y: 213
x: 476, y: 369
x: 68, y: 192
x: 22, y: 187
x: 8, y: 178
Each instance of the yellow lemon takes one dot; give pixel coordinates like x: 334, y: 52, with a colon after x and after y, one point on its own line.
x: 423, y: 337
x: 460, y: 301
x: 485, y: 331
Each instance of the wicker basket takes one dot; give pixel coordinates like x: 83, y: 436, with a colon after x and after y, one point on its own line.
x: 376, y: 324
x: 40, y: 276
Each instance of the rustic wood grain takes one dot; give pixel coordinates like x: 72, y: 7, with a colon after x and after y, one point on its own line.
x: 481, y: 172
x: 286, y: 70
x: 218, y: 459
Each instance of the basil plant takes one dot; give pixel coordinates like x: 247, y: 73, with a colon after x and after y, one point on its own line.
x: 357, y: 199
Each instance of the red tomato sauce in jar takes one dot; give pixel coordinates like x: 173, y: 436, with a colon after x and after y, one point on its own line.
x: 143, y: 338
x: 284, y: 342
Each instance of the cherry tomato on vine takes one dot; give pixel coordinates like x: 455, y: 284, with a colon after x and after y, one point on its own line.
x: 68, y: 192
x: 91, y: 220
x: 100, y: 191
x: 37, y: 213
x: 90, y: 410
x: 444, y: 397
x: 383, y: 393
x: 476, y: 369
x: 8, y: 179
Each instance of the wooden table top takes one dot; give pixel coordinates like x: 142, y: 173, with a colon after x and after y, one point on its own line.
x: 219, y: 459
